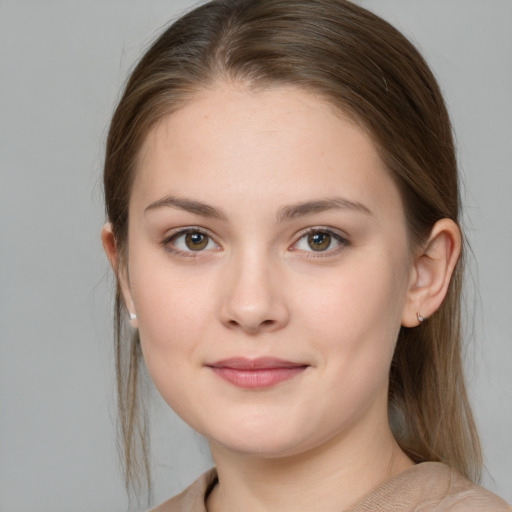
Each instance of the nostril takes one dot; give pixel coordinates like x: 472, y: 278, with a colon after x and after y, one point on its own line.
x: 252, y: 327
x: 253, y: 309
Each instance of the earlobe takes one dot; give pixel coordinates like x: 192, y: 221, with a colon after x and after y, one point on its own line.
x: 432, y: 271
x: 111, y: 250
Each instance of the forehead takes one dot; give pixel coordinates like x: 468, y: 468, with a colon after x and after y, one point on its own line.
x: 282, y: 143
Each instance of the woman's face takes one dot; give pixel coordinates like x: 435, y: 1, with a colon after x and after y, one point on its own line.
x: 268, y: 265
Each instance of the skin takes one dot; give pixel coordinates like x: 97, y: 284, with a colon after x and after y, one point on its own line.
x: 238, y: 166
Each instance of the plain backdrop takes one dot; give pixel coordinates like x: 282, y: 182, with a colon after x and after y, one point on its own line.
x: 62, y: 65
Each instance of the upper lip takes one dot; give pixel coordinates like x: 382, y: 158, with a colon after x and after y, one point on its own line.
x: 260, y: 363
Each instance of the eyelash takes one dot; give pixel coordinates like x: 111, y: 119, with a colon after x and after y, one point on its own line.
x: 167, y: 242
x: 342, y: 242
x: 335, y: 237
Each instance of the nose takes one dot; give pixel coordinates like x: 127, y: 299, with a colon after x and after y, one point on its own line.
x: 253, y: 298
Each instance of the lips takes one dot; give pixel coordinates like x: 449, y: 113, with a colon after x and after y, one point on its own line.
x: 256, y: 373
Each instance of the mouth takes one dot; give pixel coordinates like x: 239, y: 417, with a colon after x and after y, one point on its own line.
x: 257, y: 373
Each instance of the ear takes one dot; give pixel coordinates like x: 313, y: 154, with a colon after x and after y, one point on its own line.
x: 120, y: 270
x: 431, y: 272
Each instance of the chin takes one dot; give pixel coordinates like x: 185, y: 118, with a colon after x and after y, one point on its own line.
x: 266, y: 442
x: 265, y: 449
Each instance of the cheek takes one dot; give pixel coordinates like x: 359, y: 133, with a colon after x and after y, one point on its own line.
x: 170, y: 329
x: 354, y: 323
x: 367, y: 293
x: 172, y: 313
x: 168, y: 298
x: 170, y: 318
x: 354, y: 320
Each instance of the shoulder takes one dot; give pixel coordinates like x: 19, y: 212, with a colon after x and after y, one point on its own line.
x: 431, y: 487
x: 192, y: 499
x: 461, y: 495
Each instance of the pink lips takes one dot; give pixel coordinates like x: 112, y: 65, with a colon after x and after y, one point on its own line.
x: 263, y: 372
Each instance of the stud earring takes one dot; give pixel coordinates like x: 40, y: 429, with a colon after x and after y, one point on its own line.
x: 132, y: 316
x: 420, y: 318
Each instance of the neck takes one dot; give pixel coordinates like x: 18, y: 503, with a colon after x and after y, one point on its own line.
x: 330, y: 478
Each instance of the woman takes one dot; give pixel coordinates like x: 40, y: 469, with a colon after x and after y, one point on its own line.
x: 282, y: 198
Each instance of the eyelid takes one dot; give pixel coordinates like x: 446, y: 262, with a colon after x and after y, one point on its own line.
x: 178, y: 232
x: 339, y: 236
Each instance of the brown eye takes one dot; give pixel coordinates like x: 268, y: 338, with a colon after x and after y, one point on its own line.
x: 190, y: 242
x: 196, y: 241
x: 319, y: 241
x: 323, y: 241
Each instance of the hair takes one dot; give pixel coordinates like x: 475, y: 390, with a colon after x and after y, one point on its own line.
x: 371, y: 73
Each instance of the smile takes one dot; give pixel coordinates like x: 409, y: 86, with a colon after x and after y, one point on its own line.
x: 256, y: 373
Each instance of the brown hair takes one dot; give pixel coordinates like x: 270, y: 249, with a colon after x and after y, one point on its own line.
x: 368, y: 70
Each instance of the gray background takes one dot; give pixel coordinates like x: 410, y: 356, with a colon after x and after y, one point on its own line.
x: 62, y: 64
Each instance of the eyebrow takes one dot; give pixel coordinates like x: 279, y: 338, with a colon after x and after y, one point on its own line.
x: 285, y: 213
x: 321, y: 205
x: 189, y: 205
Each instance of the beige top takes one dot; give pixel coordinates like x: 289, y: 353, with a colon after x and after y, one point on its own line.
x: 426, y: 487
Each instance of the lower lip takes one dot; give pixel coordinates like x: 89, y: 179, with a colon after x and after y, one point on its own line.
x: 258, y: 378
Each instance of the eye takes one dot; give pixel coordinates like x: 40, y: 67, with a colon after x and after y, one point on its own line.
x: 191, y: 240
x: 196, y: 241
x: 320, y: 240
